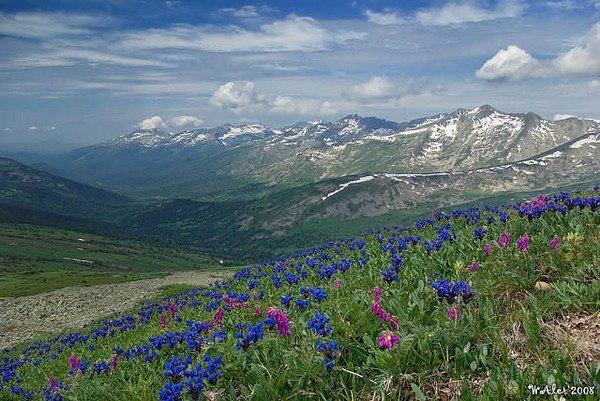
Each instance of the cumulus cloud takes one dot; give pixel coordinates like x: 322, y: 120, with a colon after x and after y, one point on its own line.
x: 514, y: 63
x: 185, y: 121
x: 385, y: 18
x: 154, y: 122
x: 468, y: 11
x: 582, y: 60
x: 292, y: 34
x: 381, y: 88
x: 237, y: 96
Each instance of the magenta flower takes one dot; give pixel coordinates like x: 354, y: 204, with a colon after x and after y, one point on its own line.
x: 474, y: 266
x: 172, y: 312
x: 163, y: 321
x: 388, y: 340
x: 453, y: 312
x: 258, y: 311
x: 255, y: 296
x: 113, y: 361
x: 504, y: 239
x: 554, y: 243
x: 53, y: 384
x: 218, y: 316
x: 74, y: 363
x: 337, y: 283
x: 377, y: 292
x: 487, y: 249
x: 523, y: 242
x: 394, y: 322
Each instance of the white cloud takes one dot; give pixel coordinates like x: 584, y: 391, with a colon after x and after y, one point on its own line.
x: 37, y: 25
x: 7, y: 129
x: 386, y: 18
x: 582, y: 60
x: 381, y: 88
x: 558, y: 117
x: 512, y: 63
x: 564, y: 4
x: 154, y: 122
x: 468, y: 11
x: 185, y: 121
x: 515, y: 63
x: 51, y: 128
x: 289, y: 105
x: 237, y: 96
x: 594, y: 83
x: 33, y: 128
x: 248, y: 11
x: 292, y: 34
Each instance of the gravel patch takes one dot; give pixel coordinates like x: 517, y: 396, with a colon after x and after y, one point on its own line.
x: 25, y: 318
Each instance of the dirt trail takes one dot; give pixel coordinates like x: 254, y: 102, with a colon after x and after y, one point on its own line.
x: 24, y: 318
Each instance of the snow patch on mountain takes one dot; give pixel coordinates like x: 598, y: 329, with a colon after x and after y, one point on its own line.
x: 586, y: 141
x: 346, y: 185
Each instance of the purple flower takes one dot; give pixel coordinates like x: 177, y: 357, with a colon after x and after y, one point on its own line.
x: 74, y: 363
x: 388, y: 340
x: 504, y: 239
x: 113, y: 361
x: 474, y: 266
x: 453, y: 312
x: 487, y: 249
x: 53, y: 385
x: 337, y: 283
x: 554, y: 243
x: 163, y: 321
x: 523, y: 242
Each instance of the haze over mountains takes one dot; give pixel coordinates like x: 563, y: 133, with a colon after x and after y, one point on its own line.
x: 298, y: 184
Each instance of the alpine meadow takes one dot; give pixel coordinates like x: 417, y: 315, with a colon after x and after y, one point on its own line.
x: 291, y: 201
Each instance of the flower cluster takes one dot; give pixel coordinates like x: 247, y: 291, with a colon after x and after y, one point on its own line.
x: 330, y: 351
x: 319, y: 324
x: 449, y: 291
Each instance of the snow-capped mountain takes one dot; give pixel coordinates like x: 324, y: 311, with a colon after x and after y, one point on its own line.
x: 208, y: 162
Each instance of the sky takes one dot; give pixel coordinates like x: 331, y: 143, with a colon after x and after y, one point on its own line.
x: 86, y: 71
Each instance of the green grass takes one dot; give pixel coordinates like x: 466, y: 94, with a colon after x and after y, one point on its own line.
x: 510, y: 335
x: 36, y: 259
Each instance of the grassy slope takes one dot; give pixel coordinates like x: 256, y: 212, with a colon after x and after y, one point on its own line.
x: 510, y: 335
x: 36, y: 259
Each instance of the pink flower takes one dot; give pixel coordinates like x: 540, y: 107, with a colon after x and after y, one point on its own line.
x: 474, y: 266
x: 504, y: 239
x: 258, y: 311
x: 453, y: 312
x: 377, y: 292
x: 113, y: 361
x: 255, y: 296
x: 218, y: 316
x: 53, y: 385
x: 388, y: 340
x: 554, y: 243
x: 394, y: 322
x: 172, y: 312
x: 523, y: 242
x: 487, y: 249
x: 74, y: 363
x: 163, y: 321
x: 212, y: 395
x: 337, y: 283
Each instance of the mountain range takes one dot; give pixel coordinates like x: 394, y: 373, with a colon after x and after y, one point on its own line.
x: 300, y: 184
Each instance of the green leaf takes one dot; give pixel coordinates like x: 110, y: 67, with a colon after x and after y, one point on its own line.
x: 418, y: 393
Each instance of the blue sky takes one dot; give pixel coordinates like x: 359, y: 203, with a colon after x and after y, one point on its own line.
x: 87, y: 71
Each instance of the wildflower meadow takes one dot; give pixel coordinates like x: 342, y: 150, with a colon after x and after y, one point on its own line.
x: 489, y: 303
